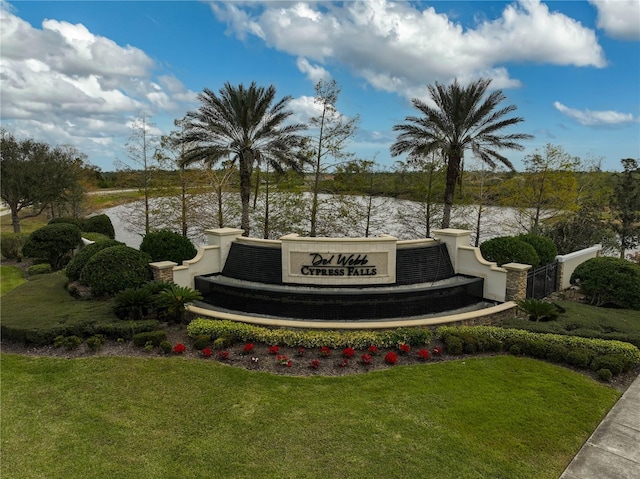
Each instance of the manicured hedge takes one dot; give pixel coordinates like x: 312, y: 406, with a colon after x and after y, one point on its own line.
x: 545, y: 247
x: 508, y: 249
x: 75, y: 266
x: 54, y: 242
x: 167, y: 246
x: 307, y: 338
x: 606, y: 280
x: 115, y: 269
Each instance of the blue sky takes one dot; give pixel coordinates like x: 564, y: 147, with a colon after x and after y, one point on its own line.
x: 78, y: 73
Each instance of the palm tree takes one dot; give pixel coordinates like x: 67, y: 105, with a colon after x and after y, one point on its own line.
x: 245, y: 126
x: 461, y: 120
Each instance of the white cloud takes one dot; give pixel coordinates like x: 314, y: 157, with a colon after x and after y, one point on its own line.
x: 619, y: 18
x: 315, y: 73
x: 596, y: 118
x: 398, y: 47
x: 63, y: 84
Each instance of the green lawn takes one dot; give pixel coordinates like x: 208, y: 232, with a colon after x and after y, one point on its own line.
x: 499, y: 417
x: 10, y: 278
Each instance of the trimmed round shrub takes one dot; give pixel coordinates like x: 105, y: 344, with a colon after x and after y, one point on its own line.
x: 609, y: 281
x: 613, y: 362
x: 100, y: 224
x: 66, y: 220
x: 44, y: 268
x: 153, y: 337
x: 580, y: 358
x: 557, y: 353
x: 507, y: 249
x: 11, y: 245
x: 54, y: 242
x: 545, y: 247
x: 454, y: 345
x: 74, y: 268
x: 605, y: 375
x: 114, y: 269
x: 166, y: 245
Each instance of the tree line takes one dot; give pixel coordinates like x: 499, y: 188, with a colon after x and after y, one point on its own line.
x: 241, y: 139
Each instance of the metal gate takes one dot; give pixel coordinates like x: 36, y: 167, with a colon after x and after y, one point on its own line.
x: 542, y: 281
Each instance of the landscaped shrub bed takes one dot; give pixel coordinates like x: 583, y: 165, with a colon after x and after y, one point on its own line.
x: 580, y: 352
x: 309, y: 339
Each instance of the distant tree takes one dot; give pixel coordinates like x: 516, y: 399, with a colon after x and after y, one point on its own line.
x: 34, y: 176
x: 242, y: 124
x: 462, y: 119
x: 626, y: 206
x: 333, y: 131
x: 548, y: 188
x: 422, y: 178
x: 142, y: 148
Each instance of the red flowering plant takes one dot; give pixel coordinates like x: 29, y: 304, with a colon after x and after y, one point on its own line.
x: 223, y: 355
x: 301, y: 351
x: 206, y: 352
x: 325, y: 351
x: 404, y: 348
x: 314, y: 364
x: 348, y: 353
x: 373, y: 350
x: 274, y: 349
x: 284, y: 360
x: 344, y: 363
x: 366, y: 359
x: 179, y: 348
x: 437, y: 351
x: 423, y: 354
x: 248, y: 348
x: 391, y: 358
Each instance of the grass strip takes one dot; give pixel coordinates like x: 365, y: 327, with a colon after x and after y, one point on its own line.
x: 499, y: 417
x: 10, y: 278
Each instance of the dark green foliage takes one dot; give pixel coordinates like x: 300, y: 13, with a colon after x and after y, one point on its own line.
x: 95, y: 342
x: 489, y: 344
x: 557, y: 353
x: 616, y: 363
x: 536, y: 348
x: 174, y: 299
x: 545, y: 247
x: 609, y: 281
x: 166, y: 245
x: 68, y: 342
x: 153, y: 337
x: 74, y: 268
x: 454, y: 345
x: 11, y: 245
x: 100, y: 224
x: 132, y: 303
x: 605, y: 375
x: 201, y: 342
x: 68, y: 221
x: 580, y: 358
x: 538, y: 310
x: 507, y: 249
x: 166, y: 347
x: 469, y: 344
x: 114, y: 269
x: 54, y: 242
x: 43, y: 268
x: 223, y: 342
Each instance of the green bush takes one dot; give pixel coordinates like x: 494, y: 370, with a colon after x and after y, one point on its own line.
x: 538, y: 310
x: 166, y: 245
x: 507, y: 249
x: 11, y: 245
x: 67, y: 221
x: 174, y: 300
x: 605, y: 375
x: 100, y: 224
x: 54, y: 242
x: 166, y: 347
x: 223, y: 342
x: 39, y: 269
x: 96, y: 342
x: 68, y: 342
x: 454, y: 344
x: 609, y: 281
x: 74, y: 268
x: 132, y: 303
x: 201, y: 342
x: 114, y: 269
x: 545, y: 247
x: 557, y: 353
x: 153, y: 337
x: 613, y: 362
